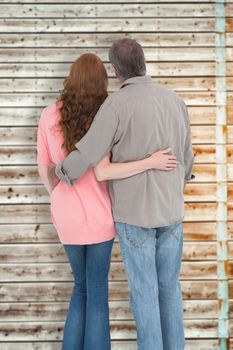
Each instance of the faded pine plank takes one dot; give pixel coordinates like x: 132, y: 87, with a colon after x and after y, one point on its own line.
x: 119, y: 310
x: 46, y: 233
x: 94, y: 40
x: 61, y: 291
x: 39, y: 99
x: 55, y: 85
x: 55, y: 253
x: 108, y: 10
x: 37, y: 194
x: 30, y: 116
x: 67, y: 25
x: 26, y: 155
x: 119, y: 330
x: 45, y: 272
x: 40, y: 213
x: 194, y: 344
x: 26, y: 175
x: 22, y: 136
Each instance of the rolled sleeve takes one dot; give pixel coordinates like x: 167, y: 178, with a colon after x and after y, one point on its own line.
x: 93, y: 146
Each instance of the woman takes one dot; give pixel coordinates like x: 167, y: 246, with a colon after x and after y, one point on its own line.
x: 82, y: 213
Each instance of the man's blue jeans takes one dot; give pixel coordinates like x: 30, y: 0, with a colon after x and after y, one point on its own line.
x: 87, y: 322
x: 152, y: 259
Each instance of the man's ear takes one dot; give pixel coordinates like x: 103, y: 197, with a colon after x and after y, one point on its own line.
x: 117, y: 73
x: 114, y: 70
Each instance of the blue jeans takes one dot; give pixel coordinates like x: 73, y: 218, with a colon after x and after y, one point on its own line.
x: 152, y: 259
x: 87, y: 322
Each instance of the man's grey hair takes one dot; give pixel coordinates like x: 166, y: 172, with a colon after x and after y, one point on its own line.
x: 127, y: 56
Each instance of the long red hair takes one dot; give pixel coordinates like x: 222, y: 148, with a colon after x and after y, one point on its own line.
x: 85, y: 89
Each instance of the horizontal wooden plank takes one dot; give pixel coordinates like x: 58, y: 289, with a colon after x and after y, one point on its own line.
x: 190, y: 344
x: 26, y: 155
x: 39, y: 99
x: 230, y: 211
x: 61, y: 271
x: 85, y: 40
x: 230, y: 133
x: 107, y: 10
x: 104, y: 1
x: 37, y: 194
x: 61, y: 69
x: 229, y: 9
x: 55, y: 85
x: 230, y: 172
x: 35, y: 56
x: 229, y: 24
x: 40, y: 213
x: 30, y: 116
x: 230, y: 254
x: 51, y: 331
x: 26, y: 175
x: 119, y: 310
x: 67, y: 25
x: 46, y: 233
x: 23, y: 136
x: 230, y: 191
x: 55, y: 253
x: 61, y: 291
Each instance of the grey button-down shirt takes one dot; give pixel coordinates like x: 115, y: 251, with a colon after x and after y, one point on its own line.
x: 139, y: 119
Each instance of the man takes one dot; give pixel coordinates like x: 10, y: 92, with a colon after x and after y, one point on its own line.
x: 134, y: 122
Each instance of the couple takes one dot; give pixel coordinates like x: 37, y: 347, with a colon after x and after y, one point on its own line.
x: 139, y: 139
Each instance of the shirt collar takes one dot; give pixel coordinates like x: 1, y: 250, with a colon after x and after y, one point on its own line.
x: 144, y: 79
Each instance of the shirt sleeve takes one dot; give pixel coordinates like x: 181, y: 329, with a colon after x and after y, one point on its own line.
x: 43, y: 155
x: 98, y: 141
x: 188, y: 150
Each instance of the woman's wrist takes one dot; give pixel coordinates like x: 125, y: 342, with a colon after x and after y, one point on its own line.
x: 147, y: 164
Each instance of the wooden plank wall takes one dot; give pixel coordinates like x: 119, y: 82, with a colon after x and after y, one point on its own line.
x: 38, y: 41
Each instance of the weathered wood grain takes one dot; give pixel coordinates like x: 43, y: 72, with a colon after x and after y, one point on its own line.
x: 12, y: 136
x: 119, y: 310
x: 40, y: 213
x: 37, y: 194
x: 51, y: 331
x: 29, y: 116
x: 40, y: 99
x: 94, y: 40
x: 67, y: 25
x: 38, y: 44
x: 61, y: 271
x: 26, y: 155
x: 60, y: 68
x: 104, y: 1
x: 61, y: 291
x: 28, y: 174
x: 108, y: 10
x: 17, y: 85
x: 55, y: 253
x: 201, y: 344
x: 45, y: 233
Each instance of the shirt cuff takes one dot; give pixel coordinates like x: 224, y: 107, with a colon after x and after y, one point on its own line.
x: 60, y: 172
x: 191, y: 177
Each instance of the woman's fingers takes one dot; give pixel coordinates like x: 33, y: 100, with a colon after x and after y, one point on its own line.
x: 166, y: 150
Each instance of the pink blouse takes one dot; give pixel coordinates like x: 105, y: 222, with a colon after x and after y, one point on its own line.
x: 80, y: 213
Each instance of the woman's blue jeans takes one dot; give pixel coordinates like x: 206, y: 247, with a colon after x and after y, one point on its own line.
x: 87, y: 322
